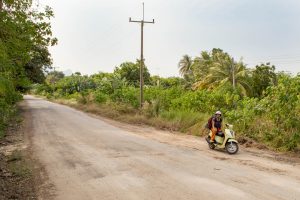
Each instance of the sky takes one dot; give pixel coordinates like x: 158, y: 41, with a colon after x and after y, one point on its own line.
x: 95, y: 35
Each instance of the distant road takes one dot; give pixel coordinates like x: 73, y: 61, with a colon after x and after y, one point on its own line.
x: 87, y: 157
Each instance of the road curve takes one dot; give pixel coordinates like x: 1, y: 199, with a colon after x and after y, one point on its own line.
x: 87, y: 157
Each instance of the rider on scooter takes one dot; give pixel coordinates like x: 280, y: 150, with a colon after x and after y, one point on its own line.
x: 216, y: 125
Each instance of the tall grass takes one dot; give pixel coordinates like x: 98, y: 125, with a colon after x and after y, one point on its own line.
x: 183, y: 120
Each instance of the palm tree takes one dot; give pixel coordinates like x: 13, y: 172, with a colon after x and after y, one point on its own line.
x: 185, y: 65
x: 201, y: 65
x: 225, y: 71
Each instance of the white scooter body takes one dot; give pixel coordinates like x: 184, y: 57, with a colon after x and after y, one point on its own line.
x: 224, y: 140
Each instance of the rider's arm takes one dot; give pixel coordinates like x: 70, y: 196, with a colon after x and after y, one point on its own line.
x: 213, y: 124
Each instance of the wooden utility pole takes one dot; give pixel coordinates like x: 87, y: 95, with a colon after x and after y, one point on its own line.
x: 142, y: 22
x: 233, y: 75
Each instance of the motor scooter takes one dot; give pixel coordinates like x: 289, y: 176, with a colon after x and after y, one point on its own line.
x: 224, y: 140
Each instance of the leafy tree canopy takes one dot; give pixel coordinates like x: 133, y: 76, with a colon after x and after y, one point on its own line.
x: 263, y: 76
x: 25, y: 34
x: 131, y: 72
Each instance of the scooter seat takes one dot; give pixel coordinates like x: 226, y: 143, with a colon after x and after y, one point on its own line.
x: 220, y: 134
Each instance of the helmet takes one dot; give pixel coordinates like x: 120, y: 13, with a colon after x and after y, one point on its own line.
x: 218, y: 113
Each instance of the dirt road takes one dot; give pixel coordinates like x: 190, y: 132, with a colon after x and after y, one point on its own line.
x: 87, y: 157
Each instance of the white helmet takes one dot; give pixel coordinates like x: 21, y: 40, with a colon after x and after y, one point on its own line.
x: 218, y: 113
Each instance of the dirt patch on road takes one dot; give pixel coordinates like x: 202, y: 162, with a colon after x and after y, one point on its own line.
x: 21, y: 176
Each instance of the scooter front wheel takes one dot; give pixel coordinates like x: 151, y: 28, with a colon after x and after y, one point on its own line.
x: 232, y: 147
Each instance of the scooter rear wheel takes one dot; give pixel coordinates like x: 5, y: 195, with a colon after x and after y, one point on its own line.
x: 212, y: 146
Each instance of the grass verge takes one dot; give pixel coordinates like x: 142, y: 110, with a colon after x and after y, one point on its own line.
x: 182, y: 121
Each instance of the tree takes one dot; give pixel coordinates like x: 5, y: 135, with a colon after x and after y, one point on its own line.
x: 54, y: 77
x: 77, y: 74
x: 224, y: 70
x: 262, y: 77
x: 25, y: 35
x: 167, y: 82
x: 74, y: 83
x: 38, y: 64
x: 204, y: 62
x: 131, y: 73
x: 185, y: 66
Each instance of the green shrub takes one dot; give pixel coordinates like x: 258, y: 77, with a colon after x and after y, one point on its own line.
x: 128, y: 95
x: 8, y: 97
x: 100, y: 97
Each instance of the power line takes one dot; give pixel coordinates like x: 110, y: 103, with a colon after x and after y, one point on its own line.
x: 142, y: 22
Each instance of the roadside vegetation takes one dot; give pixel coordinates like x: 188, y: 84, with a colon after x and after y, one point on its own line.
x: 264, y: 105
x: 25, y: 34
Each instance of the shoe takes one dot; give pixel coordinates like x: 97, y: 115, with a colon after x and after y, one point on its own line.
x: 213, y: 142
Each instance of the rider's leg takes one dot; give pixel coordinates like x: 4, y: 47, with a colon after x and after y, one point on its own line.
x: 213, y: 135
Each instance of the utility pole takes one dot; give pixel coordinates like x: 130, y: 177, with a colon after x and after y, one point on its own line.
x: 142, y: 22
x: 233, y: 75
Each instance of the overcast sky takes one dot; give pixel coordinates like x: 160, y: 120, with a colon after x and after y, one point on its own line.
x: 95, y: 35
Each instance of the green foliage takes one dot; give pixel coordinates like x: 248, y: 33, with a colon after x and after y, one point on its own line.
x: 223, y: 70
x: 167, y: 82
x: 7, y: 91
x: 131, y: 73
x: 100, y: 97
x: 262, y: 77
x: 162, y: 96
x: 25, y: 34
x: 286, y: 97
x: 282, y: 105
x: 54, y: 77
x: 73, y: 84
x: 185, y: 67
x: 8, y: 97
x: 243, y: 116
x: 128, y: 95
x: 206, y: 101
x: 271, y: 117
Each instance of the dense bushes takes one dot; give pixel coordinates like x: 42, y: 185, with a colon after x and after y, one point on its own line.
x: 8, y: 97
x: 282, y: 104
x: 275, y: 119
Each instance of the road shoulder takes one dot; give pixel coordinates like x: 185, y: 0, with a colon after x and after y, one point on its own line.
x: 21, y: 175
